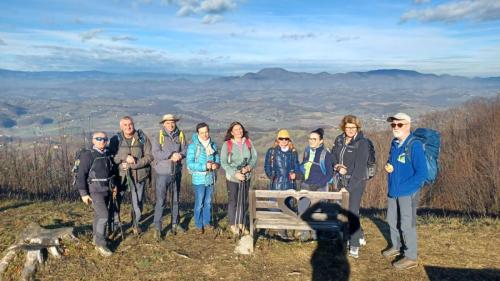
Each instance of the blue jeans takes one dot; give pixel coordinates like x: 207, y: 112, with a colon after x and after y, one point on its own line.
x: 202, y: 204
x: 163, y: 183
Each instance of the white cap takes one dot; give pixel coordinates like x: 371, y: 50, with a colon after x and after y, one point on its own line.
x: 399, y: 116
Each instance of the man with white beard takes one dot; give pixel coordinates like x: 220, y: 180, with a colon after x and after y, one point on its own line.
x: 406, y: 175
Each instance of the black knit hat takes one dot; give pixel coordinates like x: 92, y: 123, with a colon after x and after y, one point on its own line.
x: 320, y: 132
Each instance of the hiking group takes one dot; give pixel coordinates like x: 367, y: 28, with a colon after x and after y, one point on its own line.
x: 110, y: 169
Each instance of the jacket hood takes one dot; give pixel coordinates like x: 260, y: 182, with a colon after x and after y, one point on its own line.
x: 195, y: 139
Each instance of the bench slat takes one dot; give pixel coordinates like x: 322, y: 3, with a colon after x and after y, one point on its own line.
x: 298, y: 194
x: 281, y: 216
x: 297, y: 226
x: 266, y: 205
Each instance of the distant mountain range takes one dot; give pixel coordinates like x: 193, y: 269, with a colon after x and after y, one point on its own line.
x: 278, y: 74
x: 268, y: 99
x: 99, y: 75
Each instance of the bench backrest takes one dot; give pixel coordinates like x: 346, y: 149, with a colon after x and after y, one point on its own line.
x: 273, y: 201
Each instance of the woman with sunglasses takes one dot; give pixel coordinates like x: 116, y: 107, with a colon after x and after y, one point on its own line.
x: 281, y: 163
x: 350, y: 156
x: 281, y: 166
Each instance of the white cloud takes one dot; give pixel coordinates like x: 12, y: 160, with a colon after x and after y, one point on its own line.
x: 211, y: 10
x: 421, y: 1
x: 2, y: 43
x: 217, y: 6
x: 185, y: 11
x: 123, y: 38
x: 299, y: 36
x: 91, y: 34
x: 478, y: 10
x: 339, y: 39
x: 211, y: 19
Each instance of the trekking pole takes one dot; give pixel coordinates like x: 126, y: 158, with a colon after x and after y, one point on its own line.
x: 213, y: 199
x: 236, y: 217
x: 243, y: 205
x: 117, y: 209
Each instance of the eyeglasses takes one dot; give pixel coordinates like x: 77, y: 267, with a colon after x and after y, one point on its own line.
x: 283, y: 139
x: 400, y: 125
x: 101, y: 139
x: 351, y: 128
x: 313, y: 139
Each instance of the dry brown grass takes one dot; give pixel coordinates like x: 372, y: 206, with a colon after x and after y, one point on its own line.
x: 457, y: 244
x: 468, y: 182
x: 469, y: 176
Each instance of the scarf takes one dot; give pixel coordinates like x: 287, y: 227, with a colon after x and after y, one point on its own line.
x: 206, y: 144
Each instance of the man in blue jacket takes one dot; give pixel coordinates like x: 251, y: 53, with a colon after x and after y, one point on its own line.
x: 407, y: 171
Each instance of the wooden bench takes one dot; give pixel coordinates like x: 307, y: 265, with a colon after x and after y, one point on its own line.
x: 268, y: 210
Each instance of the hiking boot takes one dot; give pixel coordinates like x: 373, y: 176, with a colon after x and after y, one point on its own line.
x: 199, y: 231
x: 104, y: 251
x: 354, y: 252
x: 362, y: 241
x: 157, y: 235
x: 405, y: 263
x: 391, y: 252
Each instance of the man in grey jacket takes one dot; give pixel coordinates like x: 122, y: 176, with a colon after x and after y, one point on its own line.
x: 169, y: 149
x: 132, y: 152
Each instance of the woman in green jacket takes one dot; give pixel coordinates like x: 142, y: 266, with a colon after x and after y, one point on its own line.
x: 238, y: 158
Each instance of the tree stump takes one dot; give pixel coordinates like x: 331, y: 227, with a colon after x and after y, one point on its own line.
x: 35, y: 240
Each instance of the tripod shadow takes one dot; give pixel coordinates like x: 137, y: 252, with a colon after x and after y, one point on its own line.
x: 329, y: 260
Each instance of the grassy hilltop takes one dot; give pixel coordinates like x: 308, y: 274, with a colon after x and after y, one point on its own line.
x: 451, y: 248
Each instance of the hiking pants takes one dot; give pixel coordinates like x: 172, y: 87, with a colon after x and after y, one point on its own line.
x: 100, y: 202
x: 237, y: 205
x: 163, y: 183
x: 202, y: 204
x: 355, y: 194
x: 404, y: 210
x: 137, y: 194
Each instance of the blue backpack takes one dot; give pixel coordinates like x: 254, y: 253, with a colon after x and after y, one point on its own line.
x: 431, y: 141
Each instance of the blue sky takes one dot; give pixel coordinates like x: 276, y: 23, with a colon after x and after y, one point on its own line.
x: 460, y: 37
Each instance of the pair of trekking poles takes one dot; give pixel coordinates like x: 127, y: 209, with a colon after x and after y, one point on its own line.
x: 241, y: 213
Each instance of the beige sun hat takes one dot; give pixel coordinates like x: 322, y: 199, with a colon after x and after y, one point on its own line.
x: 169, y: 117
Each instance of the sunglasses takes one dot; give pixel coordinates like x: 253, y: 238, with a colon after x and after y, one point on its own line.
x: 283, y: 139
x: 351, y: 128
x: 101, y: 139
x: 399, y: 125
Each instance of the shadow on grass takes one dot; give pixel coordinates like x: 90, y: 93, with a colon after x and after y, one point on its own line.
x: 435, y: 273
x: 329, y: 259
x: 15, y: 205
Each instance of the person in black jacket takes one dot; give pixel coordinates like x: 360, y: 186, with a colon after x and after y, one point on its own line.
x: 93, y: 183
x: 350, y: 156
